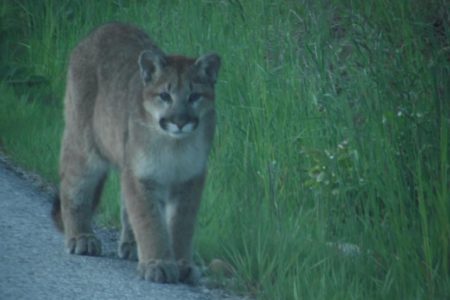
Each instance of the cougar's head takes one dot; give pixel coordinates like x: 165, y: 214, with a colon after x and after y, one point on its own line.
x: 178, y: 91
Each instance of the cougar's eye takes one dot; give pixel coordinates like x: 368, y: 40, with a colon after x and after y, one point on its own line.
x: 194, y: 97
x: 165, y: 97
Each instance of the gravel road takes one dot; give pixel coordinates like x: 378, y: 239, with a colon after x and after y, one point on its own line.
x: 34, y: 265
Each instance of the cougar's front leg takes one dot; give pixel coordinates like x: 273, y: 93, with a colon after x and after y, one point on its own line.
x: 181, y: 213
x: 144, y: 203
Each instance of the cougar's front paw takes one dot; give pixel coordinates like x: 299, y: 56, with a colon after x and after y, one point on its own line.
x: 84, y: 244
x: 128, y: 250
x: 189, y: 272
x: 160, y: 271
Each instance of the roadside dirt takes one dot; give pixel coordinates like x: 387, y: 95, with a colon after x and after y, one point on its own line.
x: 34, y: 265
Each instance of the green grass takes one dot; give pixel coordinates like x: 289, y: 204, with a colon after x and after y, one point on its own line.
x: 333, y: 127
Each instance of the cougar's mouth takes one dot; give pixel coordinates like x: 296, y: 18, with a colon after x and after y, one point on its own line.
x: 179, y: 126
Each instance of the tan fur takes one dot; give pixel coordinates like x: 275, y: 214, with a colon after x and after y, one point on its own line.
x: 151, y: 116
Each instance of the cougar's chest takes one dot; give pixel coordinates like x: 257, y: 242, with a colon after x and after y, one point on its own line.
x: 168, y: 162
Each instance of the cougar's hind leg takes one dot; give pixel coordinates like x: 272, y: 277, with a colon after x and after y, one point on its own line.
x: 82, y: 178
x: 82, y: 170
x: 127, y: 243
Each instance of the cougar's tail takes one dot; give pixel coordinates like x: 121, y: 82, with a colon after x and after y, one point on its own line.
x: 56, y: 213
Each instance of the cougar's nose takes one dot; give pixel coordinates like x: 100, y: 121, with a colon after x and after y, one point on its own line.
x: 181, y: 120
x: 185, y: 123
x: 181, y: 123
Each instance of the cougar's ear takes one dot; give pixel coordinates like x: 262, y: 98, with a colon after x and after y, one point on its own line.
x: 151, y: 64
x: 207, y: 68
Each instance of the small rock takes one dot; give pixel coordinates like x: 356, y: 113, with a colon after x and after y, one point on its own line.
x: 220, y: 268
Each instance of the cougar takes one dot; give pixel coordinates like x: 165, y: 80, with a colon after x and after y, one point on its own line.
x: 151, y: 116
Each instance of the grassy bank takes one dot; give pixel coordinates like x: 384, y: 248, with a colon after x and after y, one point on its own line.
x: 334, y: 122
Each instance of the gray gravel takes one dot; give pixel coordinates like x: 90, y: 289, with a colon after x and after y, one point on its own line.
x: 33, y: 264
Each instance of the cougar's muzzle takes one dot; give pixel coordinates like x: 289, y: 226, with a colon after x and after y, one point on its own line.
x: 179, y: 124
